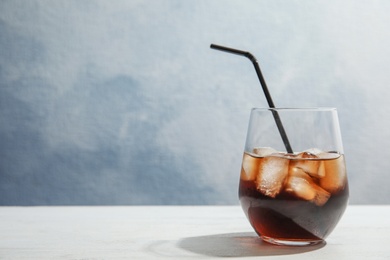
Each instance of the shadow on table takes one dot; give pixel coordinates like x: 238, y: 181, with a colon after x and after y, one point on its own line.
x: 239, y: 245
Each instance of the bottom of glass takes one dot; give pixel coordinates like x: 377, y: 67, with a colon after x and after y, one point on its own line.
x: 276, y: 241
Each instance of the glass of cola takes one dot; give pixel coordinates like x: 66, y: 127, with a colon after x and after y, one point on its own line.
x: 293, y: 197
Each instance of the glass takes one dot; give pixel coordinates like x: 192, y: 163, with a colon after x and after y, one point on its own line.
x: 294, y: 198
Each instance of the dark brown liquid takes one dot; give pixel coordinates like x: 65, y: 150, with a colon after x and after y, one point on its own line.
x: 286, y: 217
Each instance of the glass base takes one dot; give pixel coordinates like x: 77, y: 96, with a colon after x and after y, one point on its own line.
x: 282, y: 242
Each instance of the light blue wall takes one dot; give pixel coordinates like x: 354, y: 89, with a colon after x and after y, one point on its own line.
x: 123, y: 102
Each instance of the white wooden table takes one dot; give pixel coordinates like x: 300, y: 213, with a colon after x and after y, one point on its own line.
x: 175, y: 232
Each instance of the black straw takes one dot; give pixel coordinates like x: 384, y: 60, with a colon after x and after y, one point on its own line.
x: 265, y: 90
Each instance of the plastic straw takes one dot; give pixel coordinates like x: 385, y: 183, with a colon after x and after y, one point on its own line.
x: 265, y: 90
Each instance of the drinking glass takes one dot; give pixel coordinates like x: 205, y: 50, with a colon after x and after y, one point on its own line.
x: 293, y: 196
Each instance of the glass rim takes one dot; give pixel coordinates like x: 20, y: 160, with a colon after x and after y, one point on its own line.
x: 294, y: 109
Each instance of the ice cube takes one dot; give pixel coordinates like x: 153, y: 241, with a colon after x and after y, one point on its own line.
x: 298, y: 183
x: 321, y: 170
x: 314, y: 151
x: 322, y: 195
x: 264, y: 151
x: 302, y: 186
x: 306, y: 155
x: 335, y: 177
x: 249, y: 167
x: 310, y: 164
x: 272, y: 173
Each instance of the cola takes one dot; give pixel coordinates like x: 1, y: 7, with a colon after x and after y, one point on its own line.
x: 293, y: 197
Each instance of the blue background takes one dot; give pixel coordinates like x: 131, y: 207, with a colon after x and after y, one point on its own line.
x: 123, y: 102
